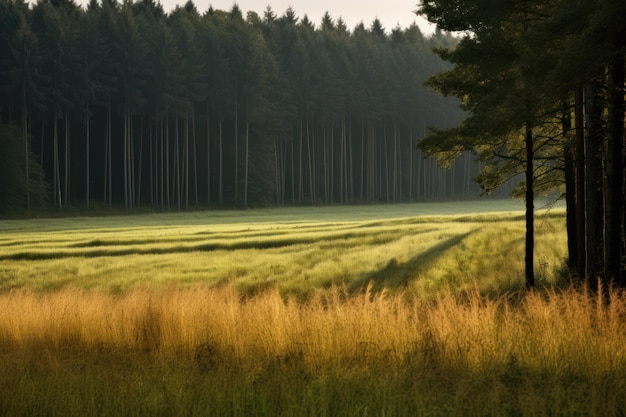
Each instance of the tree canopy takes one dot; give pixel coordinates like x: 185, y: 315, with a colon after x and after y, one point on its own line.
x: 523, y: 70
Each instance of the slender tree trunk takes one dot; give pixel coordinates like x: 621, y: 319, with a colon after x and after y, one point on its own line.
x: 139, y: 169
x: 344, y: 134
x: 186, y: 162
x: 151, y: 154
x: 277, y: 172
x: 163, y: 172
x: 26, y: 147
x: 167, y: 159
x: 343, y: 163
x: 593, y: 186
x: 43, y: 131
x: 300, y: 162
x: 208, y: 154
x: 55, y: 165
x: 351, y: 161
x: 326, y: 168
x: 579, y: 162
x: 293, y: 168
x: 221, y: 164
x: 530, y: 208
x: 66, y: 188
x: 331, y: 147
x: 411, y: 156
x: 247, y: 154
x: 309, y: 156
x: 614, y: 181
x: 131, y: 162
x: 195, y: 158
x: 362, y: 158
x: 106, y: 160
x: 125, y: 168
x: 110, y: 155
x: 313, y: 165
x: 386, y: 159
x: 236, y: 149
x: 570, y: 189
x: 87, y: 155
x: 177, y: 181
x: 394, y: 190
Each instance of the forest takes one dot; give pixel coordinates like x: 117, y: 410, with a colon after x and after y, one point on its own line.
x: 122, y: 104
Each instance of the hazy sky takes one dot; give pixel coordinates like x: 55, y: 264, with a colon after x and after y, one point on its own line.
x: 389, y: 12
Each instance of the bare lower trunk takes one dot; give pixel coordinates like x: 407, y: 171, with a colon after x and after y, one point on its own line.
x: 530, y: 215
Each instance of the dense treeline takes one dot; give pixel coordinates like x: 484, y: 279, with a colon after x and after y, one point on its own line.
x: 543, y: 84
x: 125, y: 104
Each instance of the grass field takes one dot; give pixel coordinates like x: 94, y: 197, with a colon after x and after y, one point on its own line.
x: 404, y: 310
x: 421, y: 248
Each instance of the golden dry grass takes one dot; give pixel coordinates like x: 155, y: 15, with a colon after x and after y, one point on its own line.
x: 537, y: 329
x: 523, y: 353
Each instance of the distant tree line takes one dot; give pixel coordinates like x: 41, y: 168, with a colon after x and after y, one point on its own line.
x: 543, y: 85
x: 124, y: 104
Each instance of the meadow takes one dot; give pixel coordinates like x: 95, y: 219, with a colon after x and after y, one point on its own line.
x: 403, y: 310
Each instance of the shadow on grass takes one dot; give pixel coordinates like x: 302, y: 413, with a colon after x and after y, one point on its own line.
x: 395, y: 275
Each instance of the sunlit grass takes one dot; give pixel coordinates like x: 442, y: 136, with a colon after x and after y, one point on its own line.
x: 213, y: 352
x: 299, y: 250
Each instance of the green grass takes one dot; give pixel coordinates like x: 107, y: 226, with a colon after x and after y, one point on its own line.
x: 420, y: 248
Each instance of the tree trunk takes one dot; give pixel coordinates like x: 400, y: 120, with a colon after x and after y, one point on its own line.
x: 26, y: 147
x: 208, y: 154
x: 151, y: 154
x: 139, y: 169
x: 236, y: 149
x: 362, y: 158
x: 579, y: 162
x: 613, y: 187
x: 221, y: 163
x: 247, y: 155
x: 195, y: 158
x: 570, y: 189
x: 55, y: 165
x: 310, y: 160
x: 176, y: 182
x: 167, y: 159
x: 530, y: 215
x: 125, y: 157
x: 66, y: 188
x: 186, y: 162
x: 300, y: 168
x: 87, y: 154
x: 594, y: 144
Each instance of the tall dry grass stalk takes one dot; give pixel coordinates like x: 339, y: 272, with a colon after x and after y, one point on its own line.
x: 537, y: 330
x: 215, y: 352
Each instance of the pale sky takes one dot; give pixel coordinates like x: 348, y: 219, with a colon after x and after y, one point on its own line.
x: 389, y: 12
